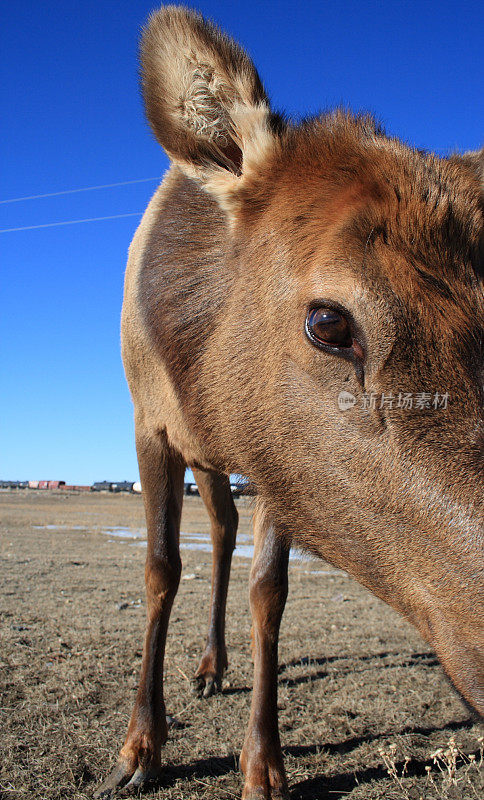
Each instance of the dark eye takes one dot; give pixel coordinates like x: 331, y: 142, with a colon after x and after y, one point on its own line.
x: 326, y: 326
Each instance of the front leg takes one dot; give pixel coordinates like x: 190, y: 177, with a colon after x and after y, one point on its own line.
x: 161, y: 472
x: 261, y: 758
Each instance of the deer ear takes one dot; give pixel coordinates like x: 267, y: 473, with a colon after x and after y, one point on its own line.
x: 204, y: 99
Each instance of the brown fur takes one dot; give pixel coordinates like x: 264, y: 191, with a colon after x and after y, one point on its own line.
x: 257, y: 220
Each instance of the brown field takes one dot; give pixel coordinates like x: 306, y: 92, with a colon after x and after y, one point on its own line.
x: 359, y: 691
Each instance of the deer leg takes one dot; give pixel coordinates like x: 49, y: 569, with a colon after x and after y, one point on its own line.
x: 216, y: 494
x: 261, y: 758
x: 162, y: 473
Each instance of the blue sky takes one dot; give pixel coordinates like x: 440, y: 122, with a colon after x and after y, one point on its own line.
x: 72, y: 118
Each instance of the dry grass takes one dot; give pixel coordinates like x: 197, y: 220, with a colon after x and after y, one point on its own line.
x: 453, y: 773
x: 365, y: 711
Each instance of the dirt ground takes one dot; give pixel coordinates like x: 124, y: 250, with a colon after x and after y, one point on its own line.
x: 359, y: 691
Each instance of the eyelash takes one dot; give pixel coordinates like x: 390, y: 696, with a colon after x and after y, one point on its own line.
x: 355, y: 352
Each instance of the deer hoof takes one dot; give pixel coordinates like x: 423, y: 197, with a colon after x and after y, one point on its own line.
x: 264, y: 779
x: 206, y: 685
x: 123, y: 782
x: 261, y: 794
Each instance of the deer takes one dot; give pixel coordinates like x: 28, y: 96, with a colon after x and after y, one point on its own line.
x: 280, y: 266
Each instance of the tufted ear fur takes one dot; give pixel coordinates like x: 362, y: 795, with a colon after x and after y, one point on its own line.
x: 204, y: 100
x: 475, y: 160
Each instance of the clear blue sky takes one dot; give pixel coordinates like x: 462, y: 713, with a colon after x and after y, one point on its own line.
x: 72, y: 117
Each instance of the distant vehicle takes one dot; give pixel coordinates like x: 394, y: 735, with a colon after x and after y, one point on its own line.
x: 111, y: 486
x: 122, y: 486
x: 14, y: 484
x: 137, y: 487
x: 101, y: 486
x: 239, y: 487
x: 236, y: 487
x: 47, y: 484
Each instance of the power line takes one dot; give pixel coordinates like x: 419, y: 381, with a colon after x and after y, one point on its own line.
x: 73, y: 191
x: 71, y: 222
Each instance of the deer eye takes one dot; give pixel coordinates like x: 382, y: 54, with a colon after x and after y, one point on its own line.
x: 328, y: 327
